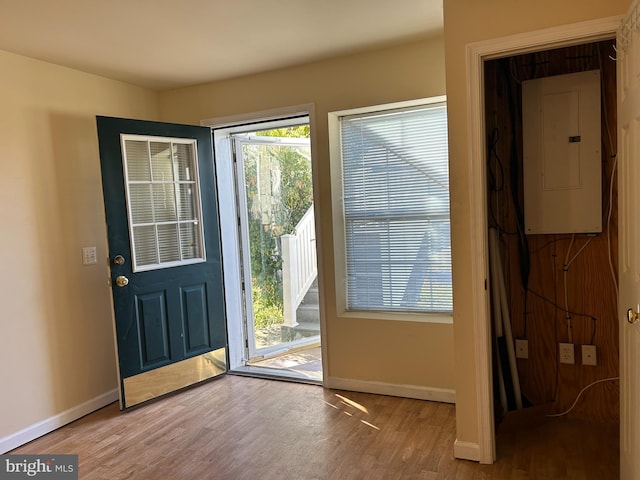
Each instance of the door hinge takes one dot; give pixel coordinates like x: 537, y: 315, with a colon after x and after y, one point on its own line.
x: 485, y: 283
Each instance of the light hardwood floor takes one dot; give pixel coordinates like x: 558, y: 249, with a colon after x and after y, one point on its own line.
x: 247, y: 428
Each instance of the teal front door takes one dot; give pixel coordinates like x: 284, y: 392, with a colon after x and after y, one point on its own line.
x: 161, y: 211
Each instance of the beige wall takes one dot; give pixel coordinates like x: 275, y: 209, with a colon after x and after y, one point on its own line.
x: 56, y: 340
x: 395, y: 352
x: 468, y: 21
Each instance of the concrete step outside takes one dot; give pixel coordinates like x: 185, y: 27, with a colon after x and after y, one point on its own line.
x: 308, y: 314
x: 301, y: 330
x: 311, y: 297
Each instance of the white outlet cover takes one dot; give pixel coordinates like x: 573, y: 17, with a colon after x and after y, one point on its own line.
x: 522, y: 348
x: 589, y: 356
x: 567, y: 353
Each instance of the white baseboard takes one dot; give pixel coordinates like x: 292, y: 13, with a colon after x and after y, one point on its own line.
x: 50, y: 424
x: 466, y: 450
x: 433, y: 394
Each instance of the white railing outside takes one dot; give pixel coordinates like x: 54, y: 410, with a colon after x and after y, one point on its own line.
x: 299, y: 265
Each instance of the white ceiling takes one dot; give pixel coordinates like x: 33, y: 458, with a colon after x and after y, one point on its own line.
x: 163, y: 44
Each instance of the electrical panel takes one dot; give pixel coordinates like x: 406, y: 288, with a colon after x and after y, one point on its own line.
x: 562, y: 158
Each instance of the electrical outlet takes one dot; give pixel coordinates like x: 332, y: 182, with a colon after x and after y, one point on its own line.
x: 522, y: 348
x: 589, y: 355
x: 567, y: 354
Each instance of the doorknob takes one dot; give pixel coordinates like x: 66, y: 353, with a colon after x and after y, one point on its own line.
x: 122, y: 281
x: 633, y: 317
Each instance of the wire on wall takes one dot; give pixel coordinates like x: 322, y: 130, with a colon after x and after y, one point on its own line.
x: 612, y: 154
x: 570, y: 312
x: 612, y: 379
x: 495, y: 178
x: 565, y: 271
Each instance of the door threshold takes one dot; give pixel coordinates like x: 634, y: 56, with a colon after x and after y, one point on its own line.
x: 274, y: 374
x: 277, y: 350
x: 293, y: 347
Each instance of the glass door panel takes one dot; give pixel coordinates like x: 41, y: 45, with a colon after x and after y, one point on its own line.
x: 278, y: 242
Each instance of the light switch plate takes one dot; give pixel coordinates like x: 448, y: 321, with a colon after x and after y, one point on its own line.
x: 89, y: 256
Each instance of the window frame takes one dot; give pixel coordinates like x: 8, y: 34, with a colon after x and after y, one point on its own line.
x: 339, y: 233
x: 160, y: 265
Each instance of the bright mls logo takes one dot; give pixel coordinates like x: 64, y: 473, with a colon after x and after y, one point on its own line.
x: 51, y: 467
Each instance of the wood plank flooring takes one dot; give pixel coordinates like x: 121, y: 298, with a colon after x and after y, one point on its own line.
x: 239, y: 428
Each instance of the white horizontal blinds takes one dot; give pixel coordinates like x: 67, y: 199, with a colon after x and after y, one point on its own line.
x: 163, y: 201
x: 396, y: 210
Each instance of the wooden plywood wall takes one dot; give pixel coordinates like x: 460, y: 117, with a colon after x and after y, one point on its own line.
x: 537, y: 313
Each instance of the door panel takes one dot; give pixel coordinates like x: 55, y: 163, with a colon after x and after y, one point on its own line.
x: 162, y: 224
x: 153, y: 326
x: 194, y: 299
x: 628, y: 73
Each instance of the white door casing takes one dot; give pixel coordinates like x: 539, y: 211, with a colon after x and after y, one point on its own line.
x: 628, y: 77
x: 223, y: 128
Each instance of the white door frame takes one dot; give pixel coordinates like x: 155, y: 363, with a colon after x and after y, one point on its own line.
x: 477, y: 54
x: 229, y: 233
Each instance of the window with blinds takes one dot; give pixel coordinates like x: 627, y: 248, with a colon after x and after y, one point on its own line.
x: 395, y: 179
x: 163, y: 201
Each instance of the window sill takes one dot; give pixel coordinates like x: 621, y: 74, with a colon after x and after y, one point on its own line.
x: 445, y: 318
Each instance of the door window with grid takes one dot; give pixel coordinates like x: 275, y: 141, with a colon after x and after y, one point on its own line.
x: 163, y: 201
